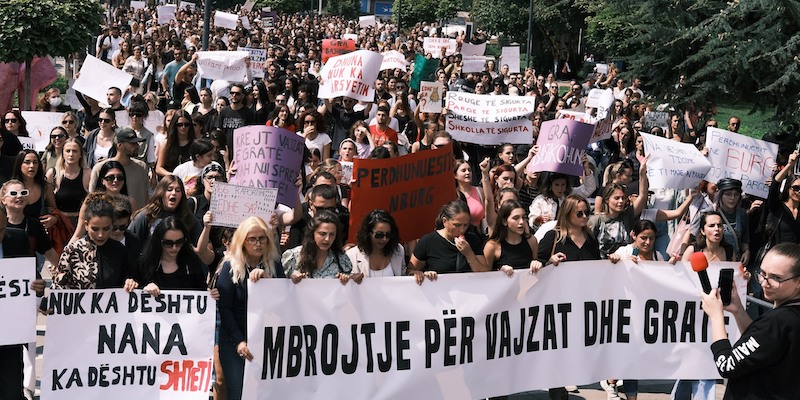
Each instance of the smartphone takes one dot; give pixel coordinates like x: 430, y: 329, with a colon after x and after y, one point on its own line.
x: 725, y: 285
x: 635, y: 251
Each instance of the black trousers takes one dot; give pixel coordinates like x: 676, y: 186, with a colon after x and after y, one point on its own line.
x: 11, y: 372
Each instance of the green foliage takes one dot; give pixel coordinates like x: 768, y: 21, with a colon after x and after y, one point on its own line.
x: 414, y: 11
x: 46, y: 27
x: 508, y: 18
x: 62, y: 83
x: 286, y: 6
x: 346, y: 8
x: 447, y: 9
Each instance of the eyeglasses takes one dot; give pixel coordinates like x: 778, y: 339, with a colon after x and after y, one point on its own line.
x: 795, y: 188
x: 104, y: 120
x: 771, y: 280
x: 20, y: 193
x: 11, y: 121
x: 173, y: 243
x: 216, y: 178
x: 256, y: 240
x: 68, y: 122
x: 582, y: 214
x: 112, y: 178
x: 120, y: 228
x: 58, y: 136
x: 380, y: 235
x: 309, y: 122
x: 236, y: 93
x: 183, y: 124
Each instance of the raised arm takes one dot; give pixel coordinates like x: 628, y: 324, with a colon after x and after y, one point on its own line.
x: 644, y: 185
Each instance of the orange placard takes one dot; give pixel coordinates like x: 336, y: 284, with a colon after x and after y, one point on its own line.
x: 411, y: 187
x: 336, y: 47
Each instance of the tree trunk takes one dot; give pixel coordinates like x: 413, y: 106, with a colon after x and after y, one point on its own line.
x: 25, y: 102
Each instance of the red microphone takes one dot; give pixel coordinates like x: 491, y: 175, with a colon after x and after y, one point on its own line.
x: 700, y: 264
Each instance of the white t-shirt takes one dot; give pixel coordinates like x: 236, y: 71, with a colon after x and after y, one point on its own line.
x: 189, y: 174
x: 318, y: 142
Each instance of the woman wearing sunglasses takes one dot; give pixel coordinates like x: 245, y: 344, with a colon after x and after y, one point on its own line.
x: 58, y: 136
x: 378, y: 251
x: 176, y: 149
x: 14, y: 198
x: 12, y: 125
x: 101, y: 140
x: 169, y: 262
x: 113, y: 181
x: 70, y: 122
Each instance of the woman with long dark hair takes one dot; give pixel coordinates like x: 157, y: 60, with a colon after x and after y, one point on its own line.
x: 169, y: 198
x: 378, y: 251
x: 176, y: 149
x: 169, y: 262
x: 511, y: 245
x: 320, y: 255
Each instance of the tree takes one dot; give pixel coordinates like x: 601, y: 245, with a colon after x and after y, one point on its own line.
x: 286, y: 6
x: 40, y: 28
x: 412, y: 12
x: 346, y: 8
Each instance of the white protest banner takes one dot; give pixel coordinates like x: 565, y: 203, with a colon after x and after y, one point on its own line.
x: 258, y: 61
x: 473, y: 63
x: 347, y: 171
x: 39, y: 125
x: 110, y: 344
x: 389, y: 338
x: 225, y: 20
x: 350, y: 36
x: 740, y: 157
x: 469, y: 49
x: 602, y: 100
x: 245, y: 22
x: 152, y: 122
x: 393, y: 59
x: 673, y: 165
x: 480, y: 119
x: 510, y: 57
x: 166, y: 13
x: 601, y: 68
x: 225, y: 65
x: 248, y: 5
x: 18, y: 300
x: 230, y: 204
x: 351, y: 75
x: 70, y: 98
x: 366, y: 21
x: 97, y: 76
x: 430, y: 96
x: 656, y: 118
x: 562, y: 145
x: 434, y: 45
x: 188, y: 5
x: 27, y: 142
x: 138, y: 5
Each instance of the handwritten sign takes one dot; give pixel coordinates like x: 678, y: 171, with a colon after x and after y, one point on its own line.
x: 469, y: 49
x: 334, y: 47
x: 510, y: 57
x: 673, y: 165
x: 268, y: 157
x: 224, y: 65
x: 351, y: 75
x: 347, y: 171
x: 110, y: 344
x: 434, y: 46
x: 656, y: 118
x: 393, y: 59
x: 18, y: 300
x: 39, y: 125
x: 258, y: 61
x: 225, y: 20
x: 166, y: 13
x: 430, y: 96
x: 231, y: 203
x: 152, y: 122
x: 602, y: 100
x: 473, y: 63
x: 366, y: 21
x: 562, y: 145
x: 474, y: 118
x: 410, y: 187
x: 740, y: 157
x: 97, y: 76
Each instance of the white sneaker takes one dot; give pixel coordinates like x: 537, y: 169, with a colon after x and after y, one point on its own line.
x: 571, y: 388
x: 611, y: 389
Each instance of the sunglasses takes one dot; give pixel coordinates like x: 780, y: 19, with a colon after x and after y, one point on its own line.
x: 11, y: 121
x: 104, y: 120
x: 68, y: 122
x: 120, y: 228
x: 381, y: 235
x: 217, y: 178
x: 173, y: 243
x: 795, y: 188
x: 582, y: 214
x: 21, y: 193
x: 58, y: 136
x: 112, y: 178
x: 307, y: 122
x: 136, y: 115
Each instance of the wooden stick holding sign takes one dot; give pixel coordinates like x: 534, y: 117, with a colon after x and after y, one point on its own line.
x: 230, y: 204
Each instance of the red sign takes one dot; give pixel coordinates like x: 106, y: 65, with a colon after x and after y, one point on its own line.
x: 336, y: 47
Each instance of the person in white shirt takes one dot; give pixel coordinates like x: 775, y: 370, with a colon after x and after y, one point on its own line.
x: 201, y: 152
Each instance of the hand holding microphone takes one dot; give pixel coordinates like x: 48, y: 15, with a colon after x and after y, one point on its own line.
x: 699, y: 264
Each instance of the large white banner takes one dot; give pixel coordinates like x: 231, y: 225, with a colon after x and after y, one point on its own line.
x: 225, y: 65
x: 740, y: 157
x: 110, y: 344
x: 351, y: 75
x: 225, y: 20
x: 485, y: 119
x: 18, y: 300
x: 434, y: 45
x: 393, y: 59
x: 258, y: 61
x: 390, y: 338
x: 510, y: 57
x: 39, y: 125
x: 673, y: 165
x: 96, y: 77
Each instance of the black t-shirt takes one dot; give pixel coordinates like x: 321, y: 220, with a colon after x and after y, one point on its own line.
x: 185, y: 278
x: 342, y: 122
x: 518, y: 256
x: 39, y: 239
x: 230, y: 119
x: 441, y: 255
x: 114, y: 265
x: 589, y: 251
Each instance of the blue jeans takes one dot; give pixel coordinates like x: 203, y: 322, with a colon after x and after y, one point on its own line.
x: 694, y: 390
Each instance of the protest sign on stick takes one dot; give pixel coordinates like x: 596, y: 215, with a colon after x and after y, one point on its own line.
x: 562, y: 145
x: 230, y: 204
x: 351, y: 75
x: 434, y: 45
x: 17, y: 300
x: 673, y: 165
x: 740, y: 157
x: 475, y: 118
x: 225, y: 65
x: 335, y: 47
x: 96, y: 77
x: 268, y: 157
x: 430, y: 96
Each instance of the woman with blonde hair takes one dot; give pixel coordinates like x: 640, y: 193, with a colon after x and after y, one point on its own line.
x: 253, y: 254
x: 570, y: 239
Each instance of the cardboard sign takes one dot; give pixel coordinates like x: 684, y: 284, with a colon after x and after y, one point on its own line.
x: 347, y: 171
x: 434, y: 45
x: 225, y: 20
x: 430, y: 96
x: 366, y: 21
x: 562, y: 145
x: 473, y: 64
x: 110, y: 344
x: 410, y: 187
x: 351, y: 75
x: 469, y: 49
x: 602, y: 100
x: 334, y: 47
x: 510, y: 57
x: 656, y: 118
x: 268, y: 157
x: 393, y: 59
x: 39, y: 125
x: 17, y: 300
x: 740, y: 157
x: 673, y: 165
x: 258, y: 61
x: 230, y: 204
x: 637, y: 321
x: 138, y: 5
x: 166, y: 13
x: 225, y: 65
x: 480, y: 119
x: 97, y: 76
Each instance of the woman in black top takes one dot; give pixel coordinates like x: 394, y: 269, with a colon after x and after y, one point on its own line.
x: 571, y: 239
x: 71, y: 179
x: 511, y: 245
x: 169, y: 262
x: 783, y: 222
